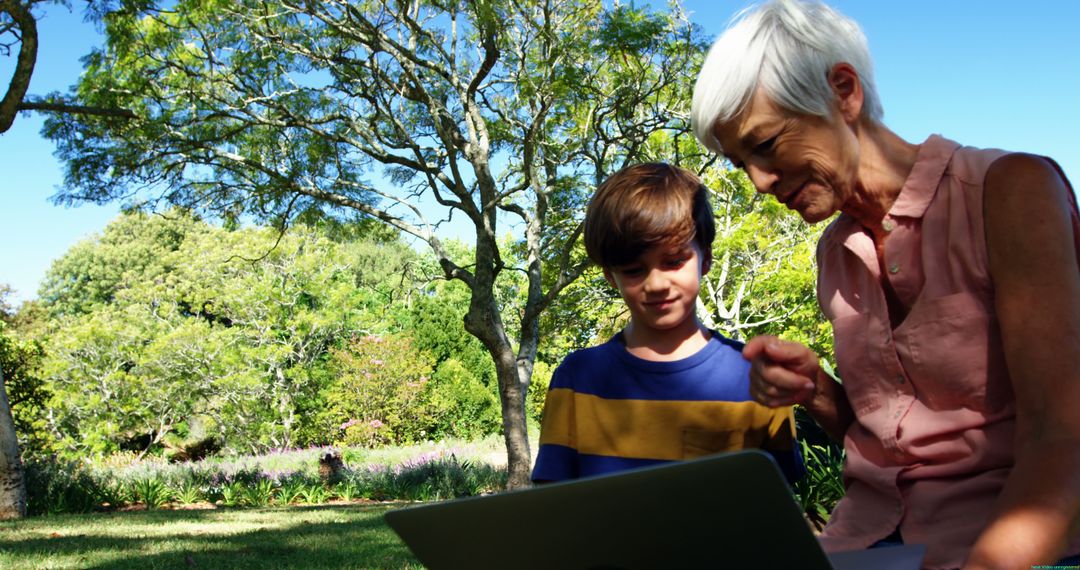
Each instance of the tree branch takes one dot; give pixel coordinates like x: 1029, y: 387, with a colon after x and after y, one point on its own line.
x: 61, y: 107
x: 24, y: 66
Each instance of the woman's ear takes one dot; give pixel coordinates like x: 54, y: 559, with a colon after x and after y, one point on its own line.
x: 847, y: 88
x: 706, y: 262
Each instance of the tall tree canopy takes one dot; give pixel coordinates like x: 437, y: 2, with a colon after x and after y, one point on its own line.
x: 505, y: 113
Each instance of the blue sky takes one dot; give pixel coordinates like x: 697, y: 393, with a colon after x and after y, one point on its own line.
x: 986, y: 73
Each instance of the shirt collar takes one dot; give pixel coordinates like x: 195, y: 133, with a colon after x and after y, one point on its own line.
x: 931, y: 161
x: 922, y: 183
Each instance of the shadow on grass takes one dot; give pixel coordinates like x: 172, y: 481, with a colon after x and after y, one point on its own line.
x: 339, y: 536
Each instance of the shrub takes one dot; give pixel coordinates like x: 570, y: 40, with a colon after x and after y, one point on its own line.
x: 232, y: 494
x: 433, y: 479
x: 314, y: 494
x: 347, y: 491
x: 151, y: 492
x: 188, y: 493
x: 465, y: 407
x: 380, y: 395
x: 54, y: 487
x: 59, y: 487
x: 291, y: 491
x: 114, y: 493
x: 259, y: 494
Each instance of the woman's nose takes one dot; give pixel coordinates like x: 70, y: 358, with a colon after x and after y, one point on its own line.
x: 763, y: 177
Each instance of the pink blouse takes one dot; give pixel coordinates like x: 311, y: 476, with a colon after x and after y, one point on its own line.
x: 932, y: 444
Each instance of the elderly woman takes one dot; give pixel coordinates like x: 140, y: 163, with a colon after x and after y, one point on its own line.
x: 951, y: 279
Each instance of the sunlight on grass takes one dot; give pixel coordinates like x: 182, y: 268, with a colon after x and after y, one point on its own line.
x: 340, y: 536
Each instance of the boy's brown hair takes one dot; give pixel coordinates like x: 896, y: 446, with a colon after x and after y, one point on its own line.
x: 644, y: 206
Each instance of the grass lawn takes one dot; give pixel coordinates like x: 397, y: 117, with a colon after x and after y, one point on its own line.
x: 327, y: 536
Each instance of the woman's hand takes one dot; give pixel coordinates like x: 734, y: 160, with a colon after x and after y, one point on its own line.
x: 784, y: 373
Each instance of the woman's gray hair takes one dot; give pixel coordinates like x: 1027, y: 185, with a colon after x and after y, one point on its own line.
x: 786, y: 47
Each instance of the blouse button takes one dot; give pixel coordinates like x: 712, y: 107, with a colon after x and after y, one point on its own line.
x: 888, y: 225
x: 894, y: 268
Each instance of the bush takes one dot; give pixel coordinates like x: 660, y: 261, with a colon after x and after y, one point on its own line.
x: 54, y: 487
x: 380, y: 396
x: 436, y: 478
x: 259, y: 494
x: 282, y: 477
x: 151, y: 492
x: 465, y: 406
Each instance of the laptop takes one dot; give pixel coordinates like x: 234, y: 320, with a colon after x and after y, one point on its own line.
x: 731, y: 510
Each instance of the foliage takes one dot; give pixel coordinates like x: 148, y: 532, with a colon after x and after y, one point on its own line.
x: 764, y: 270
x: 258, y: 481
x: 133, y: 248
x: 232, y: 494
x: 20, y: 367
x: 151, y: 492
x: 59, y: 487
x: 215, y: 337
x: 464, y: 406
x: 381, y: 394
x: 464, y: 390
x: 347, y: 491
x: 446, y: 478
x: 823, y: 486
x: 314, y: 494
x: 538, y: 389
x: 429, y: 478
x: 291, y: 491
x: 258, y: 494
x: 506, y: 114
x: 188, y: 493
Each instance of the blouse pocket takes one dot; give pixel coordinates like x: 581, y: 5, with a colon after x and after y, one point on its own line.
x: 956, y: 355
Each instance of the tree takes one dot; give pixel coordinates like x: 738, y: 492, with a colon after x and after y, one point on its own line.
x: 12, y: 484
x: 506, y: 113
x: 18, y: 26
x: 763, y: 275
x: 162, y: 321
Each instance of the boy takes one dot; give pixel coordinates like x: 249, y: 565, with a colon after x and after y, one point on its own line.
x: 665, y: 388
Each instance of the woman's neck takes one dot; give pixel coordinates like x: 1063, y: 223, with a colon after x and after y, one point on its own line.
x: 885, y: 161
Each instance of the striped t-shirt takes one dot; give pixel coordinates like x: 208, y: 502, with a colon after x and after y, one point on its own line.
x: 608, y: 410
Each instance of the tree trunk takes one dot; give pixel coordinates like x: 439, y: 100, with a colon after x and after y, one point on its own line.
x: 483, y: 322
x: 12, y: 484
x: 515, y: 431
x: 511, y: 397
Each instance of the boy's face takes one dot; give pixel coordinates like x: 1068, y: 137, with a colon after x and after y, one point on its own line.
x: 661, y: 286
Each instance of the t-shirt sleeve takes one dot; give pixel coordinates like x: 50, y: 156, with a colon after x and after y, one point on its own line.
x: 557, y: 458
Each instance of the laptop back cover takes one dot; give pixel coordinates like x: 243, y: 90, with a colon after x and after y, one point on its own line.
x: 726, y: 511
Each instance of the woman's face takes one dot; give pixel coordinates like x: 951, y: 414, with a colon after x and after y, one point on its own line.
x: 810, y: 164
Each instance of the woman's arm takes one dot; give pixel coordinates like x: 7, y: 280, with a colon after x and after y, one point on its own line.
x: 1033, y: 263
